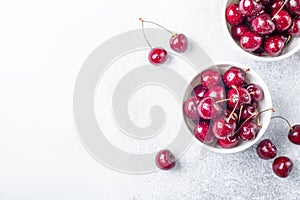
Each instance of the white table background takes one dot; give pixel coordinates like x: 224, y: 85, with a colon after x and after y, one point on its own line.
x: 42, y: 47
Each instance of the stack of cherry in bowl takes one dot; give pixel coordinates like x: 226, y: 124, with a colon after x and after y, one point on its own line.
x: 223, y: 109
x: 265, y: 27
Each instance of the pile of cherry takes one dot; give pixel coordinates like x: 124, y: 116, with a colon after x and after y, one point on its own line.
x: 264, y: 26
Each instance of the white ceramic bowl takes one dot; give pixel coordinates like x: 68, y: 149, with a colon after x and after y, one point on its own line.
x: 289, y: 50
x: 252, y: 77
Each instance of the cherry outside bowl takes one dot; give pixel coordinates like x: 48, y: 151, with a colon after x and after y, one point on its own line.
x: 289, y: 50
x: 252, y: 77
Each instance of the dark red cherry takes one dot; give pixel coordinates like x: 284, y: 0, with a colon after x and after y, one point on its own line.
x: 250, y: 41
x: 294, y: 6
x: 250, y: 7
x: 274, y: 45
x: 248, y: 111
x: 233, y: 14
x: 210, y: 77
x: 294, y: 135
x: 234, y: 77
x: 238, y: 30
x: 256, y: 92
x: 233, y: 117
x: 164, y: 159
x: 199, y: 91
x: 266, y: 149
x: 203, y: 133
x: 282, y: 20
x: 209, y: 109
x: 158, y: 56
x: 275, y: 5
x: 294, y: 30
x: 216, y: 92
x: 190, y: 107
x: 248, y: 131
x: 223, y: 129
x: 262, y: 24
x: 239, y: 96
x: 282, y: 166
x: 179, y: 43
x: 228, y: 142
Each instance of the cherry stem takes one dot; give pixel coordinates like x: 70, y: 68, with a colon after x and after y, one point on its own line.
x: 290, y: 125
x: 235, y: 107
x: 258, y: 122
x: 150, y: 22
x: 145, y: 33
x: 240, y: 114
x: 285, y: 2
x: 288, y: 40
x: 253, y: 115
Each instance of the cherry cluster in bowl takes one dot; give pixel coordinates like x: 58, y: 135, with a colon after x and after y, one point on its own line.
x: 224, y: 108
x: 264, y: 27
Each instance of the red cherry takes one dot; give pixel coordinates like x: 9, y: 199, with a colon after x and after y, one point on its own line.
x: 209, y: 109
x: 250, y: 41
x: 199, y: 91
x: 282, y: 166
x: 233, y: 116
x: 238, y: 30
x: 275, y: 5
x: 282, y: 20
x: 294, y: 134
x: 248, y: 131
x: 179, y: 43
x: 250, y: 7
x: 203, y: 133
x: 228, y: 142
x: 239, y: 96
x: 295, y: 28
x: 164, y: 159
x: 210, y: 77
x: 256, y: 92
x: 190, y: 107
x: 274, y: 45
x: 234, y: 77
x: 223, y: 129
x: 247, y: 112
x: 294, y: 6
x: 158, y: 56
x: 216, y: 92
x: 266, y: 149
x: 262, y: 24
x: 233, y: 14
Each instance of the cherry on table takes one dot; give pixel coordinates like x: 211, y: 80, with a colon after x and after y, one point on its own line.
x: 165, y: 160
x: 233, y: 14
x: 250, y: 41
x: 282, y: 166
x: 203, y: 132
x: 179, y: 43
x: 266, y: 149
x: 158, y: 56
x: 294, y: 134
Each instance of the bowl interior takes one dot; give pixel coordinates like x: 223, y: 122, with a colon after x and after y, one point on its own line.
x: 251, y: 77
x: 290, y: 49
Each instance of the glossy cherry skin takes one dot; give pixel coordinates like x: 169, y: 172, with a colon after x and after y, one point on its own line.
x: 199, y: 91
x: 250, y: 7
x: 228, y: 142
x: 248, y: 131
x: 250, y: 41
x: 233, y: 14
x: 210, y: 77
x: 274, y: 45
x: 275, y: 5
x: 282, y: 166
x: 256, y: 92
x: 294, y: 135
x: 248, y: 112
x: 216, y: 92
x: 179, y: 43
x: 282, y: 20
x: 294, y: 30
x: 266, y: 149
x: 190, y: 107
x: 203, y: 133
x: 234, y: 77
x: 262, y: 24
x: 233, y: 118
x: 209, y: 109
x: 294, y: 6
x: 157, y: 56
x: 222, y: 129
x: 238, y: 30
x: 165, y: 160
x: 240, y: 97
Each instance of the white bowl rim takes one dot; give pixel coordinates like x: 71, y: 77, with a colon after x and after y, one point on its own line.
x: 261, y: 131
x: 260, y: 58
